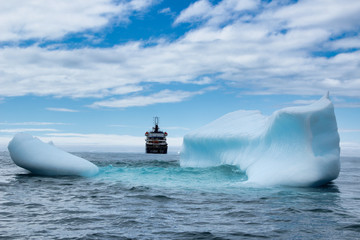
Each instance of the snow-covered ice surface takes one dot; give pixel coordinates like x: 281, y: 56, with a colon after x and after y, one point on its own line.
x: 45, y: 159
x: 295, y: 146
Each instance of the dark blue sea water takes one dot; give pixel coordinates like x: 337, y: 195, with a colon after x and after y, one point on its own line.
x: 138, y: 196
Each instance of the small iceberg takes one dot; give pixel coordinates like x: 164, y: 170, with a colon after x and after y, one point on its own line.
x: 45, y: 159
x: 295, y: 146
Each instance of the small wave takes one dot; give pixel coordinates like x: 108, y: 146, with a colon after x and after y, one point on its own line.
x: 207, y: 235
x: 33, y: 205
x: 319, y: 210
x: 353, y: 227
x: 152, y: 197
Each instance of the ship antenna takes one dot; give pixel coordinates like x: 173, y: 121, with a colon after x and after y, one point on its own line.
x: 156, y: 120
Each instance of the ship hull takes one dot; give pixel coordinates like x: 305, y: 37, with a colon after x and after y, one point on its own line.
x: 157, y: 149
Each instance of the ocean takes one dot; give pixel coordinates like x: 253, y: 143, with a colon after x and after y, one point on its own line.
x: 139, y: 196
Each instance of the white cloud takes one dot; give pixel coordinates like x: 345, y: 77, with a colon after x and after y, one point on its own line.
x: 93, y: 139
x: 303, y: 102
x: 42, y: 19
x: 17, y: 130
x: 223, y: 11
x: 97, y: 142
x: 70, y: 73
x: 349, y: 130
x: 203, y: 81
x: 331, y: 15
x: 269, y: 52
x: 104, y: 142
x: 195, y: 12
x: 165, y: 10
x: 351, y: 42
x: 348, y: 105
x: 31, y: 123
x: 177, y: 128
x: 350, y: 149
x: 61, y: 109
x: 328, y: 82
x: 165, y: 96
x: 4, y: 141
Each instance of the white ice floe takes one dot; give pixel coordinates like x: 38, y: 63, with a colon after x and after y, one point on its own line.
x: 45, y: 159
x: 295, y: 146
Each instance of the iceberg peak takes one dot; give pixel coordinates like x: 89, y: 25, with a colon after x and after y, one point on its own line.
x: 327, y: 95
x: 295, y: 146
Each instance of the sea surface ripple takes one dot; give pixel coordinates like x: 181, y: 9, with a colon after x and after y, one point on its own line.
x: 139, y: 196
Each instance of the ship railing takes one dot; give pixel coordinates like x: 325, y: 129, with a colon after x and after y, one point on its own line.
x: 156, y: 141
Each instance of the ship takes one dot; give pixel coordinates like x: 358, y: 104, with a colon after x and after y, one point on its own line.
x: 156, y: 139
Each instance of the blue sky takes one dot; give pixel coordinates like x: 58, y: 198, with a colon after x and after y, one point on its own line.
x: 90, y: 75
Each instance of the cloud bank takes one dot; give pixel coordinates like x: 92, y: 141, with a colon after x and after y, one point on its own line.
x: 42, y: 19
x: 266, y: 48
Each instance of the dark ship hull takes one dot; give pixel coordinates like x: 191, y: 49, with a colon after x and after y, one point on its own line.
x: 160, y: 149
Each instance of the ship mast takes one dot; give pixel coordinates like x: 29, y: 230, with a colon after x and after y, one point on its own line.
x: 156, y: 121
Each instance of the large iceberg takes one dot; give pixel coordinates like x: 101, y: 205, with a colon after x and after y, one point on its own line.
x: 45, y: 159
x: 295, y: 146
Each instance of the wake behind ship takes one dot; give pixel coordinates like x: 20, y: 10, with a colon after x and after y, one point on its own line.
x: 156, y: 140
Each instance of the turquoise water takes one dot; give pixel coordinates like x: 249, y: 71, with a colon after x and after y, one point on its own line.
x: 139, y: 196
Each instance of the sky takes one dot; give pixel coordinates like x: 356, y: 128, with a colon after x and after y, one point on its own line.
x: 91, y: 75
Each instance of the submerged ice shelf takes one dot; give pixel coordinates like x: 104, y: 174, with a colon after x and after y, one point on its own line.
x: 44, y: 159
x: 295, y: 146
